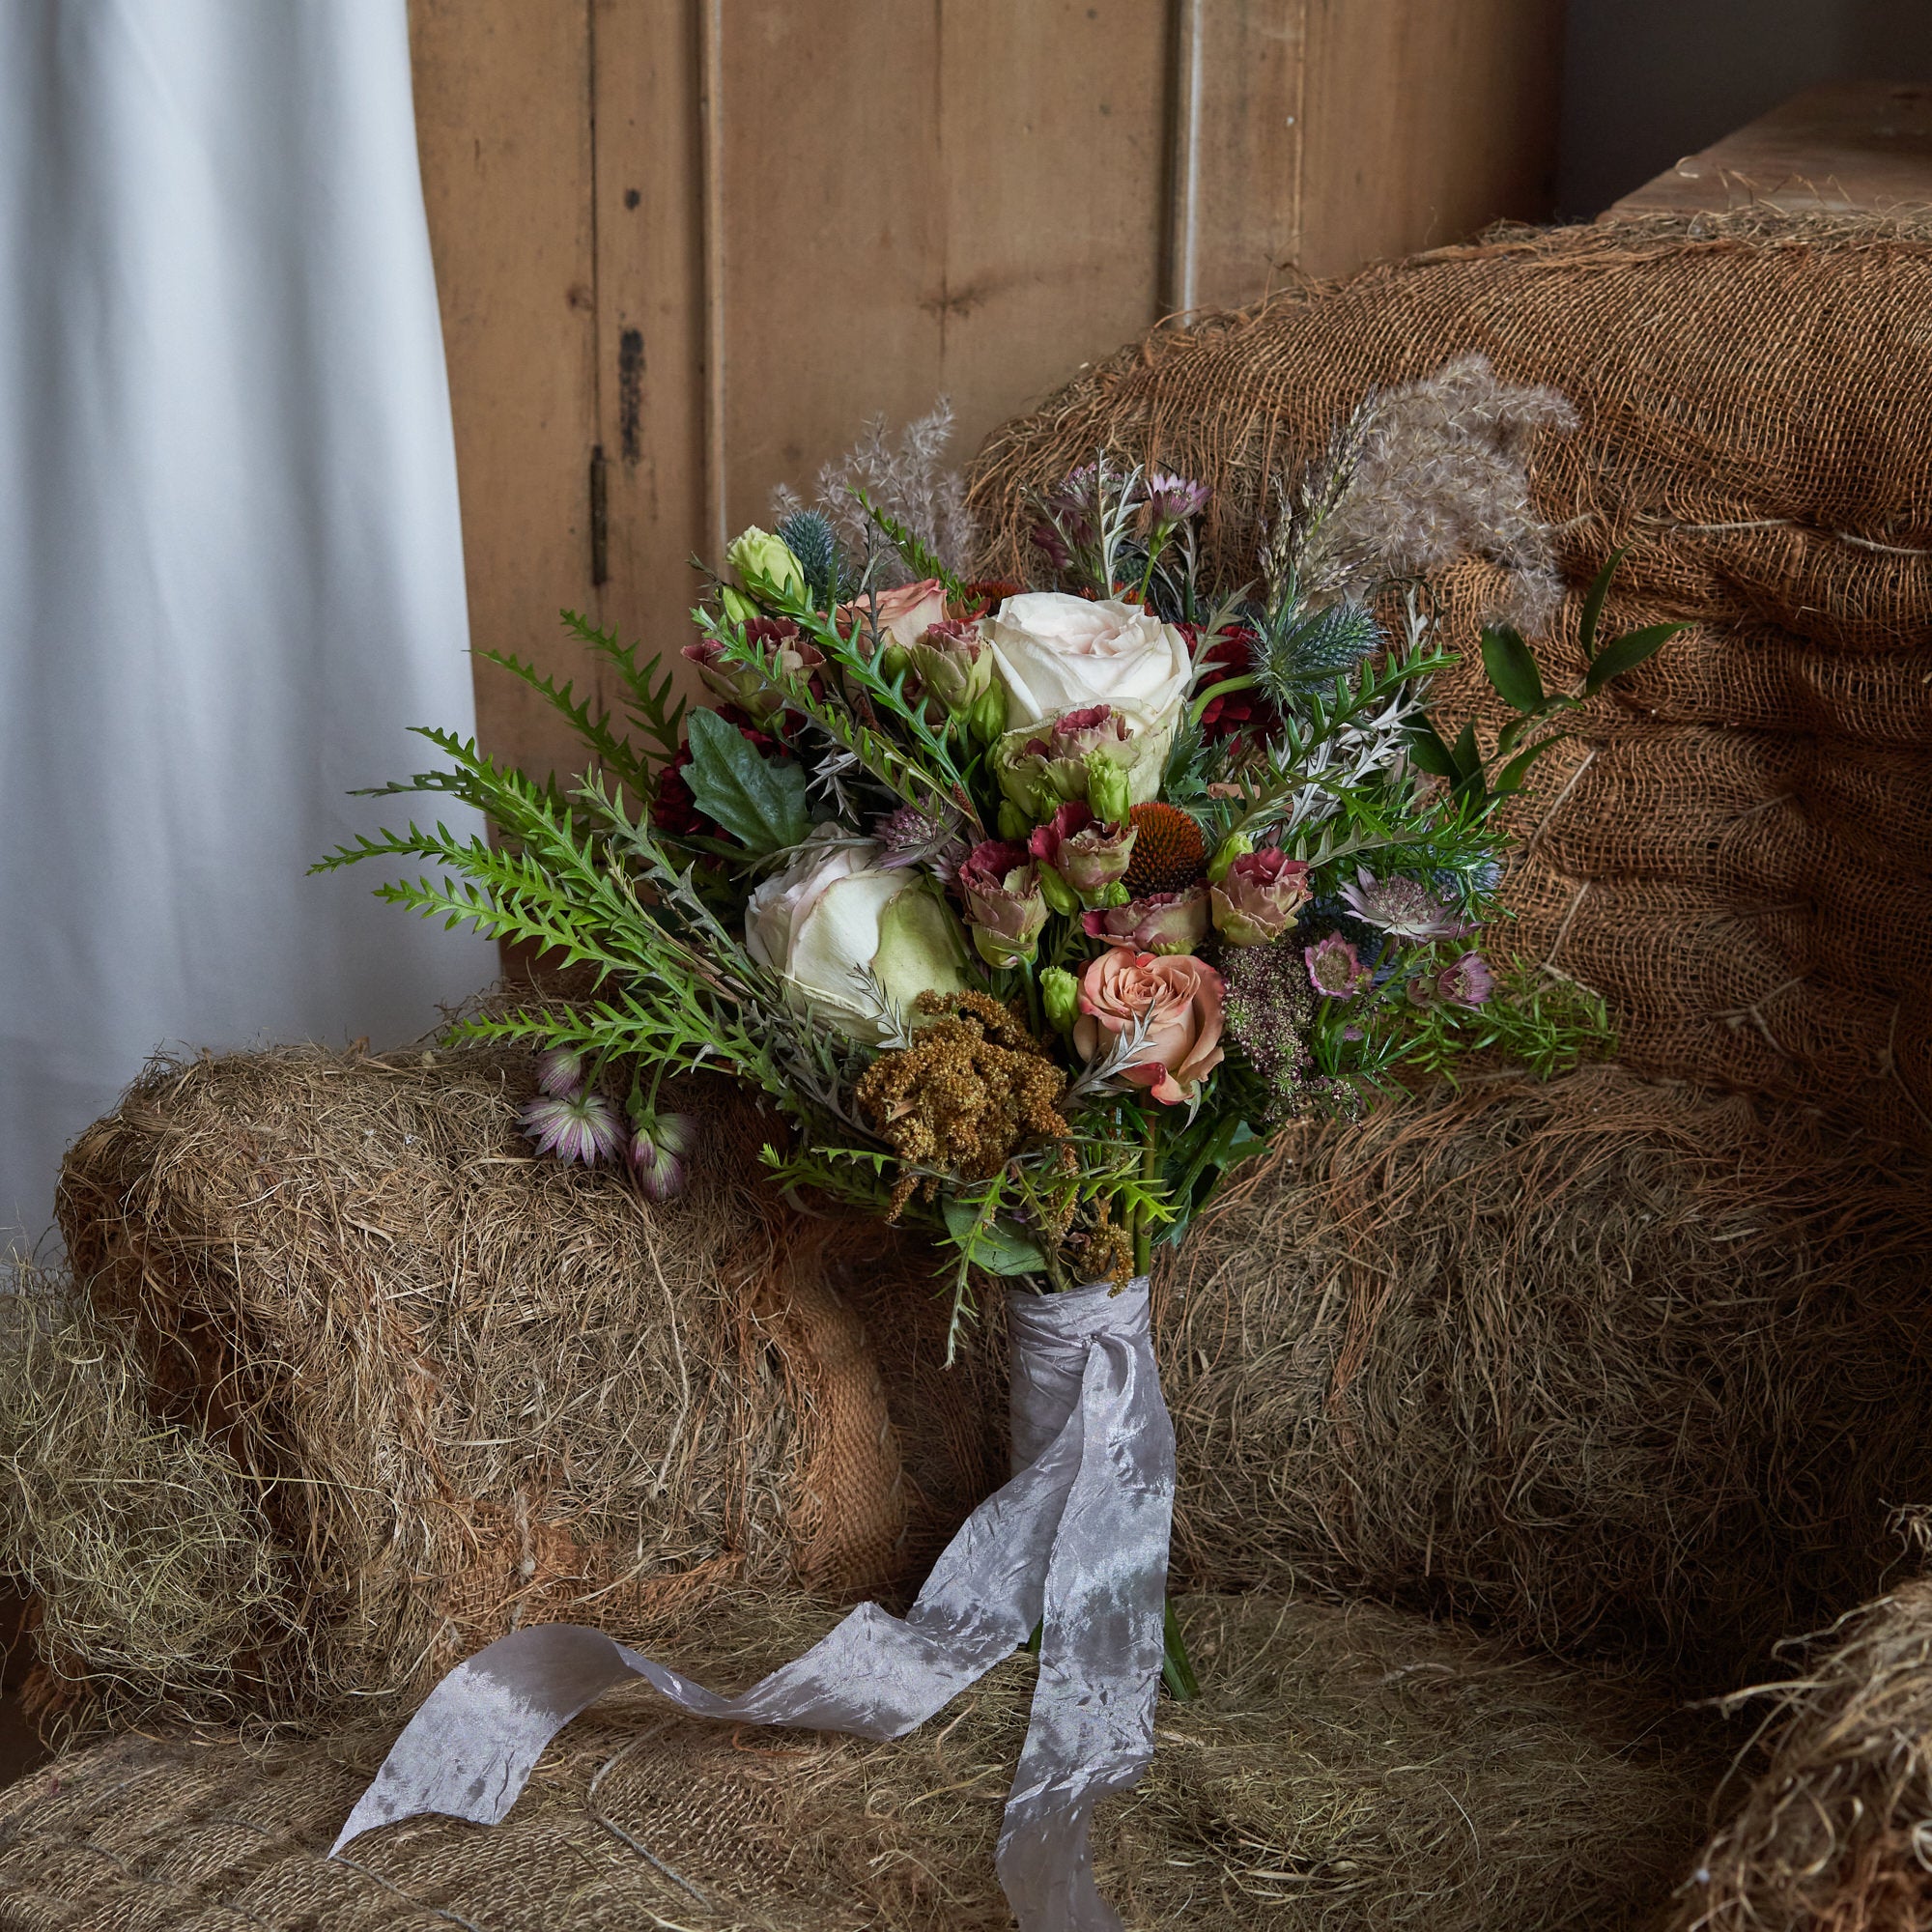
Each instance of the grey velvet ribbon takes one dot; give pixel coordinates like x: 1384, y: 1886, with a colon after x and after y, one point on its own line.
x: 1076, y: 1542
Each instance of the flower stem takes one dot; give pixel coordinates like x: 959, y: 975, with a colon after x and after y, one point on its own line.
x: 1143, y: 1217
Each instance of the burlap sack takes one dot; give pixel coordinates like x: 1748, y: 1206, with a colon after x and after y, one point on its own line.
x: 1345, y: 1767
x: 1736, y: 854
x: 388, y: 1386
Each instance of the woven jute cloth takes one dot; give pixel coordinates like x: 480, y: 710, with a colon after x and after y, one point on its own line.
x: 1737, y: 853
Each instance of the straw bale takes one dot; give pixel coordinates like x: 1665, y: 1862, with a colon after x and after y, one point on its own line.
x: 448, y: 1387
x: 1610, y: 1366
x: 1836, y: 1831
x: 1737, y: 852
x: 1345, y: 1767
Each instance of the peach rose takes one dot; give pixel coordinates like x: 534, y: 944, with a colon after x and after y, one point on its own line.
x: 1179, y: 997
x: 903, y: 614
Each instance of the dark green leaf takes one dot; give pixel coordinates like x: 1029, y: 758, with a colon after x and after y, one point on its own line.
x: 1427, y: 752
x: 1593, y: 602
x: 1511, y: 777
x: 1468, y: 756
x: 1624, y: 654
x: 1511, y: 668
x: 1000, y: 1247
x: 760, y: 802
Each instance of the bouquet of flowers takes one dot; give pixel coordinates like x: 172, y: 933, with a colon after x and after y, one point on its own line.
x: 1031, y: 911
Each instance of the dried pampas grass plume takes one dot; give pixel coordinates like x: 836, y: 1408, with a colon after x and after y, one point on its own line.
x: 908, y: 482
x: 1440, y: 468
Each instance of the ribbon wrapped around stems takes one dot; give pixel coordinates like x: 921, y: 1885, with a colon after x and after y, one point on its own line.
x: 1076, y: 1542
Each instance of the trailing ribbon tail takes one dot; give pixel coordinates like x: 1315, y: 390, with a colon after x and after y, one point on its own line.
x: 1076, y: 1540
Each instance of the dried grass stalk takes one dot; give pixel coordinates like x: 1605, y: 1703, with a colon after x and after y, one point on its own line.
x: 1611, y: 1366
x: 1345, y: 1769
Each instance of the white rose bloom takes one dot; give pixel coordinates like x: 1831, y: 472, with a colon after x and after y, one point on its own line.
x: 833, y: 911
x: 1056, y: 653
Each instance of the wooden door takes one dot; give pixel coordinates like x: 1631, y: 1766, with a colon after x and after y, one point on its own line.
x: 685, y: 247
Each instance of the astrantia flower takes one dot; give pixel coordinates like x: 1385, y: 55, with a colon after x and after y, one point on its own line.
x: 910, y: 837
x: 1466, y: 982
x: 574, y: 1127
x: 1172, y: 498
x: 559, y: 1071
x: 1402, y: 908
x: 656, y: 1153
x: 1335, y: 969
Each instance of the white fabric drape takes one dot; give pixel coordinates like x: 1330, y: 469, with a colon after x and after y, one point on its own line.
x: 230, y: 561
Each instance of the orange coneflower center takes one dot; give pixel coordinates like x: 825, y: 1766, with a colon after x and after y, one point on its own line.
x: 1169, y: 853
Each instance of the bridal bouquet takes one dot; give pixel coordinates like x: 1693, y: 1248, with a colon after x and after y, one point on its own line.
x: 1030, y: 910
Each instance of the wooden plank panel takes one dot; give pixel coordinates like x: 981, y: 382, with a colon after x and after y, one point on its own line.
x: 503, y: 132
x: 1425, y: 121
x: 1855, y: 145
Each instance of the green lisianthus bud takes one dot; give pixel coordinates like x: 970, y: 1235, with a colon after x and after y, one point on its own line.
x: 765, y: 565
x: 1015, y: 826
x: 1061, y: 898
x: 1237, y: 846
x: 893, y: 663
x: 736, y: 606
x: 1109, y: 896
x: 1060, y: 996
x: 1107, y: 794
x: 987, y: 718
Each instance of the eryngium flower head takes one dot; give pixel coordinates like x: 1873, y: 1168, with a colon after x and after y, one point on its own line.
x: 574, y: 1127
x: 1402, y: 908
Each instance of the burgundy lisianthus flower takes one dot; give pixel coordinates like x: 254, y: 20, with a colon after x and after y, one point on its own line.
x: 740, y: 684
x: 1466, y: 982
x: 581, y: 1127
x: 1039, y: 768
x: 1161, y: 923
x: 1335, y: 969
x: 1257, y: 900
x: 1004, y: 905
x: 1088, y: 855
x: 1236, y: 713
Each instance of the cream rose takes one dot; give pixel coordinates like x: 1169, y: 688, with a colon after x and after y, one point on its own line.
x: 1055, y: 653
x: 833, y: 913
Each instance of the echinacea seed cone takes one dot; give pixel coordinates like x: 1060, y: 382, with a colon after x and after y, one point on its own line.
x: 1169, y: 852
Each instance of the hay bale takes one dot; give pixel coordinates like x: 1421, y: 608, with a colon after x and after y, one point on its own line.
x: 1737, y: 853
x: 1836, y: 1831
x: 1343, y: 1768
x: 1608, y: 1366
x: 435, y: 1385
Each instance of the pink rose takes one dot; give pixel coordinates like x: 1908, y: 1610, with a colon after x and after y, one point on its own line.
x: 903, y: 614
x: 1179, y: 1000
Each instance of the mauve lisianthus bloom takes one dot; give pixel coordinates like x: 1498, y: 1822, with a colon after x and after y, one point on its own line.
x: 1041, y: 766
x: 574, y: 1127
x: 951, y: 662
x: 1402, y: 908
x: 1163, y: 922
x: 1466, y: 982
x: 740, y: 684
x: 657, y: 1155
x: 1177, y: 999
x: 1335, y: 969
x: 1088, y: 855
x: 1004, y: 905
x: 1257, y: 899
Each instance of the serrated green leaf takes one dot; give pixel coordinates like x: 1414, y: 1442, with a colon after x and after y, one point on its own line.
x: 761, y: 801
x: 1512, y: 669
x: 1625, y: 653
x: 1593, y: 602
x: 1000, y: 1247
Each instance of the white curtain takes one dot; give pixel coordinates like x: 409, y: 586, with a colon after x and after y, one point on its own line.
x: 230, y: 561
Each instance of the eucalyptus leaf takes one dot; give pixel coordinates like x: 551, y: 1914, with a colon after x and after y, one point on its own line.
x: 1001, y: 1247
x: 761, y: 801
x: 1593, y: 603
x: 1428, y: 753
x: 1511, y: 777
x: 1512, y: 669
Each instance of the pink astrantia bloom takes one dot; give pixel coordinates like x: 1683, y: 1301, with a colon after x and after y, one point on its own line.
x: 574, y: 1127
x: 1173, y: 498
x: 1161, y: 923
x: 1335, y: 969
x: 657, y: 1152
x: 559, y: 1071
x: 1402, y: 908
x: 1466, y: 982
